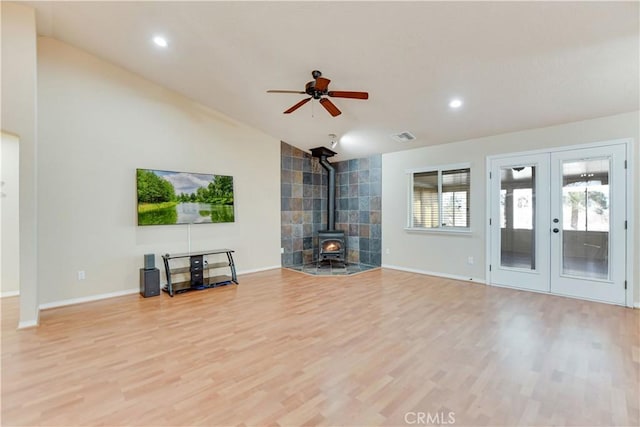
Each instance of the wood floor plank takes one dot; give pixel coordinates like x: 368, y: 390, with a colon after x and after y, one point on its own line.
x: 285, y: 348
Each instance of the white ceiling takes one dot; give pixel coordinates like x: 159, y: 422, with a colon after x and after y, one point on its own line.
x: 517, y: 65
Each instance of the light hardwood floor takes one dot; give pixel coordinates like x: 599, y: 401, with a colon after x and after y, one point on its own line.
x: 285, y: 348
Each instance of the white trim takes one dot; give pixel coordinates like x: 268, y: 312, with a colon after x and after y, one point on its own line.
x: 440, y: 169
x: 552, y: 294
x: 27, y: 324
x: 562, y: 148
x: 409, y: 204
x: 257, y: 270
x: 631, y: 189
x: 132, y: 291
x: 487, y: 236
x: 440, y: 230
x: 9, y: 294
x: 90, y: 298
x: 435, y: 273
x: 630, y: 199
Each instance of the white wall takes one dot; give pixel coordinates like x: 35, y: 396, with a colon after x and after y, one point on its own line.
x: 448, y: 253
x: 9, y: 216
x: 19, y: 118
x: 97, y: 124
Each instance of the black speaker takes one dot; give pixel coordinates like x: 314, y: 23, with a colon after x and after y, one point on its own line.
x: 149, y: 261
x: 149, y: 282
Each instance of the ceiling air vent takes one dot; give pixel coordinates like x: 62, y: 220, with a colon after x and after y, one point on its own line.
x: 404, y: 137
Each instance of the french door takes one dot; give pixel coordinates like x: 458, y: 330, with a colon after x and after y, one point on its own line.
x: 558, y: 222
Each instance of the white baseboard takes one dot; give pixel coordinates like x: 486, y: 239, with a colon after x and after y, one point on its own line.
x: 28, y: 324
x: 9, y: 294
x: 90, y: 298
x: 257, y: 270
x: 435, y: 273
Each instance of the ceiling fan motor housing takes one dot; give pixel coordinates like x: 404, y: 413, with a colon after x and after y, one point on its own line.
x: 310, y: 89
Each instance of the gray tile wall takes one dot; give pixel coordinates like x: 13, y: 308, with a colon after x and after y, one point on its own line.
x: 304, y: 206
x: 303, y: 195
x: 358, y: 206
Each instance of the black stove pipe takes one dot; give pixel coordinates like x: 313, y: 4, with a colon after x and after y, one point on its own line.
x: 331, y: 198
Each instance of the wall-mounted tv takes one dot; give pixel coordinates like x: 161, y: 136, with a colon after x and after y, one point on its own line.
x: 166, y: 197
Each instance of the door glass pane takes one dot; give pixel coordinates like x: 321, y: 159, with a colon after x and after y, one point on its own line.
x: 585, y: 218
x: 517, y: 217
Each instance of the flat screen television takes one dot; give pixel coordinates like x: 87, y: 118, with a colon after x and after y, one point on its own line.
x: 167, y: 197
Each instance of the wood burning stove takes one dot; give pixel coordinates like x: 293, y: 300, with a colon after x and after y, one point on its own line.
x: 331, y: 242
x: 331, y: 245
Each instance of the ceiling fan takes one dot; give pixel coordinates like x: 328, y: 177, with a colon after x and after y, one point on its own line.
x: 317, y: 89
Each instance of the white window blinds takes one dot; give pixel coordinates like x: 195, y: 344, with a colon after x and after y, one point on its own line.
x: 426, y: 204
x: 455, y: 198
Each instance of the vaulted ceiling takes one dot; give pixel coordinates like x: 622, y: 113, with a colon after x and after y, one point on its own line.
x: 515, y: 65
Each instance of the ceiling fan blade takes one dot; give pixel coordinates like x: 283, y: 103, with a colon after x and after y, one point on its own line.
x: 286, y: 91
x: 298, y: 105
x: 330, y: 107
x: 347, y: 94
x: 322, y: 84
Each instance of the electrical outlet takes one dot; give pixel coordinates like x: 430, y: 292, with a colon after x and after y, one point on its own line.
x: 281, y: 250
x: 81, y: 275
x: 387, y: 251
x: 470, y: 260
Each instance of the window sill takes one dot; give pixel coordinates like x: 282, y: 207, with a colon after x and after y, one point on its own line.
x: 462, y: 232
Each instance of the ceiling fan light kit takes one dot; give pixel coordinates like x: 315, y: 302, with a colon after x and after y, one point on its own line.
x: 318, y: 89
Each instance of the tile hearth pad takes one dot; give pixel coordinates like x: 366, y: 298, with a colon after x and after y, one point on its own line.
x: 332, y: 268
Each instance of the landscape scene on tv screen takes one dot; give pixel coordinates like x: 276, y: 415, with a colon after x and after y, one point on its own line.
x: 166, y: 197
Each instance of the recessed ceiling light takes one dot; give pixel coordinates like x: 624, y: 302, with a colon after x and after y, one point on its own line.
x: 455, y: 103
x: 160, y: 41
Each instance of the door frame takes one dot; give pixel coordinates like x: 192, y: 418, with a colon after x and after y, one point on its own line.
x: 629, y: 193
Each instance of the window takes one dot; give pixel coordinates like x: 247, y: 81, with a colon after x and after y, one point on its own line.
x: 440, y: 198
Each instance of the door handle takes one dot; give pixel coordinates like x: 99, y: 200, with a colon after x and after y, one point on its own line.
x: 555, y: 230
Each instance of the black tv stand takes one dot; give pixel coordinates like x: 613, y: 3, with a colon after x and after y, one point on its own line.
x: 198, y: 271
